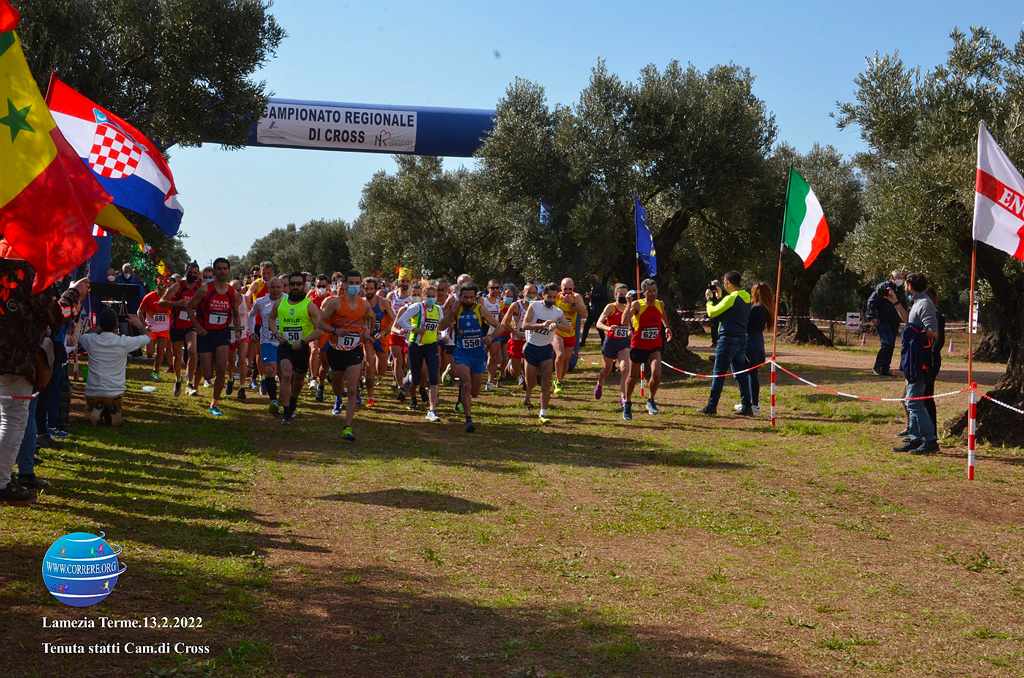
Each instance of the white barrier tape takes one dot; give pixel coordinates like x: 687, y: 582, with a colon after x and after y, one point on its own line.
x: 1000, y: 402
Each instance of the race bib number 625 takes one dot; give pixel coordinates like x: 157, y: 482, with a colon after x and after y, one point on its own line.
x: 649, y: 333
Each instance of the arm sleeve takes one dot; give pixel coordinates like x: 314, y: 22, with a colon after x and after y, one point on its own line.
x: 404, y: 320
x: 715, y: 310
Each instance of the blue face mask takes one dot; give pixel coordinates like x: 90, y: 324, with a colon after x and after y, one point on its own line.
x: 509, y: 300
x: 429, y: 302
x: 353, y: 290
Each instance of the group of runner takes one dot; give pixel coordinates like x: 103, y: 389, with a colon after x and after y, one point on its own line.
x: 346, y: 330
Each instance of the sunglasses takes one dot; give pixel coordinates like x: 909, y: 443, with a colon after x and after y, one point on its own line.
x: 296, y: 284
x: 494, y: 288
x: 321, y: 287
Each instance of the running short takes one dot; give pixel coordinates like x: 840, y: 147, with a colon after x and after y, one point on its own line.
x: 448, y: 348
x: 399, y: 340
x: 612, y: 347
x: 474, y: 358
x: 340, y: 361
x: 268, y: 353
x: 535, y: 355
x: 515, y: 349
x: 568, y: 342
x: 214, y: 339
x: 166, y: 334
x: 641, y: 356
x: 298, y: 357
x: 178, y: 336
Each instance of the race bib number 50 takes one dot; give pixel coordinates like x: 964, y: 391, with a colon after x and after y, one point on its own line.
x: 293, y: 334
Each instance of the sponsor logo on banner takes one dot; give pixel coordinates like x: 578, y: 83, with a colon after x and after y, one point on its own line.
x: 337, y: 128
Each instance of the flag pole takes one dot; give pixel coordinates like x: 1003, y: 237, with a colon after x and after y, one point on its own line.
x: 778, y: 279
x: 970, y: 319
x: 636, y: 252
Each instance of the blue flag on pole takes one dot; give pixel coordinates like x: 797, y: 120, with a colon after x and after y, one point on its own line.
x: 644, y: 239
x: 545, y: 215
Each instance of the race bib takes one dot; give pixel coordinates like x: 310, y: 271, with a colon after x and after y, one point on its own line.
x: 183, y: 315
x: 293, y: 334
x: 431, y: 325
x: 218, y: 319
x: 649, y: 333
x: 542, y: 330
x: 621, y: 332
x: 349, y: 341
x: 471, y: 342
x: 376, y: 326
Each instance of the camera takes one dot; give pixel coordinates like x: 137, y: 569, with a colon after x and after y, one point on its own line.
x: 714, y: 286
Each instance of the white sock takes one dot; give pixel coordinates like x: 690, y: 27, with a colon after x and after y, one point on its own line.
x: 543, y: 413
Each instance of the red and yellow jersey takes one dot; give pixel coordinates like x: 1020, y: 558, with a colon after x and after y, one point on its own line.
x: 647, y: 325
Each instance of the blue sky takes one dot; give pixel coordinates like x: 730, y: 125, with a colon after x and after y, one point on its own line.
x: 463, y: 55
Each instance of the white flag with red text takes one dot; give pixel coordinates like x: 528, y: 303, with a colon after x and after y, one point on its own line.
x: 998, y: 198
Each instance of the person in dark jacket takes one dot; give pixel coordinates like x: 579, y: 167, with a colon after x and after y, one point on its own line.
x: 762, y: 309
x: 937, y: 345
x: 732, y: 314
x: 882, y: 315
x: 597, y: 299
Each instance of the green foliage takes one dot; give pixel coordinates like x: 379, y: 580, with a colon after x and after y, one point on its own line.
x: 171, y: 250
x: 922, y: 131
x: 690, y: 142
x: 178, y: 70
x: 319, y: 245
x: 438, y: 223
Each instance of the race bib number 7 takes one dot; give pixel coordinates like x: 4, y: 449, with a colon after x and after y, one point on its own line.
x: 649, y: 333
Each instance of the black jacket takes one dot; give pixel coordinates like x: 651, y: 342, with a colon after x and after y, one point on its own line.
x: 880, y: 307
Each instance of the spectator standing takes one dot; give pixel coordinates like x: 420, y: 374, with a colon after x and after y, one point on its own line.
x: 597, y: 299
x: 882, y: 314
x: 922, y: 329
x: 732, y: 313
x: 762, y: 305
x: 937, y: 345
x: 22, y: 327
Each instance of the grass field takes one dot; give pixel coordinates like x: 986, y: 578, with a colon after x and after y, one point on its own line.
x: 674, y: 545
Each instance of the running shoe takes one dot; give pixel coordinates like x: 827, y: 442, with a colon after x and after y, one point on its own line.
x: 446, y: 379
x: 527, y: 404
x: 370, y: 402
x: 177, y: 388
x: 347, y: 434
x: 263, y: 387
x: 489, y: 387
x: 285, y: 421
x: 544, y: 417
x: 412, y: 404
x: 598, y: 390
x: 337, y: 406
x: 652, y: 408
x: 215, y: 411
x: 192, y: 391
x: 459, y: 408
x: 401, y: 396
x: 470, y: 427
x: 255, y: 386
x: 56, y: 433
x: 738, y: 407
x: 319, y: 394
x: 558, y: 388
x: 627, y: 411
x: 207, y: 384
x: 432, y: 416
x: 275, y: 408
x: 230, y: 386
x: 708, y: 410
x: 154, y: 375
x: 241, y: 393
x: 622, y: 403
x: 522, y: 381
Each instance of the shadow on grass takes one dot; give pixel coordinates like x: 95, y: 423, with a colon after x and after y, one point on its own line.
x: 498, y: 445
x: 385, y: 628
x: 421, y: 500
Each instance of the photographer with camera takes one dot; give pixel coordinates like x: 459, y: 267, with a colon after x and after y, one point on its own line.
x: 108, y: 358
x: 881, y: 313
x: 713, y: 290
x: 733, y: 312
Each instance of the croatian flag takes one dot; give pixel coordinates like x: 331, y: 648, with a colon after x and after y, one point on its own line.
x: 128, y: 166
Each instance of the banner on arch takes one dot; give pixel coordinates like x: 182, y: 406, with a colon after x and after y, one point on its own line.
x: 337, y: 127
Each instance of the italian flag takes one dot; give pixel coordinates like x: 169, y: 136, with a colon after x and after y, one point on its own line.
x: 804, y: 229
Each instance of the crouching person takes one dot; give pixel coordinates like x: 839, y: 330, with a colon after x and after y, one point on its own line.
x: 108, y: 357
